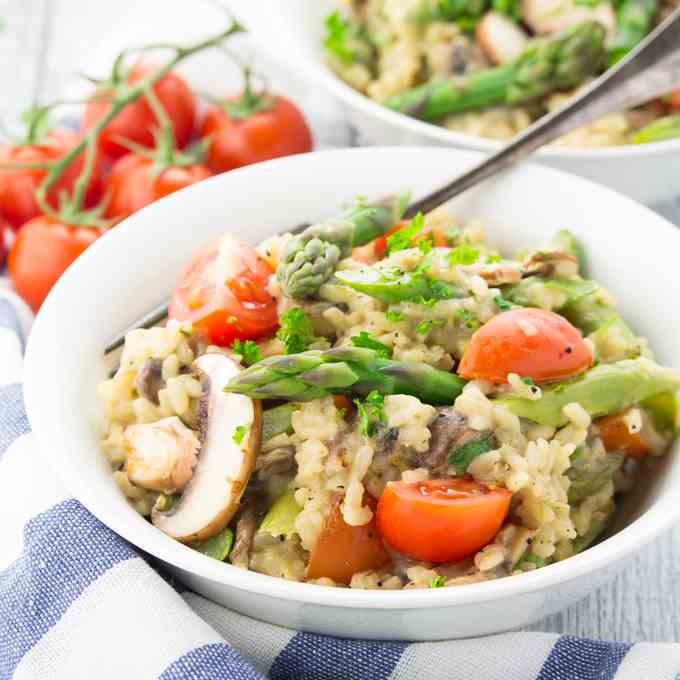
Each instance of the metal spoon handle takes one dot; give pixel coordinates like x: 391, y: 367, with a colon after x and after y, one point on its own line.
x: 649, y: 71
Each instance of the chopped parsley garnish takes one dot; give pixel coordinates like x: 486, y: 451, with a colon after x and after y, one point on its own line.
x: 295, y: 331
x: 510, y: 8
x: 428, y: 302
x: 528, y: 381
x: 492, y: 259
x: 452, y: 236
x: 240, y: 432
x: 502, y: 303
x: 463, y: 255
x: 371, y: 414
x: 249, y: 350
x: 426, y: 325
x: 394, y: 315
x: 345, y: 39
x: 403, y: 239
x: 425, y: 244
x: 437, y: 582
x: 468, y: 317
x: 364, y: 339
x: 461, y: 457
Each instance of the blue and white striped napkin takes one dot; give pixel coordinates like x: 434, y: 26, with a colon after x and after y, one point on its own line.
x: 78, y: 602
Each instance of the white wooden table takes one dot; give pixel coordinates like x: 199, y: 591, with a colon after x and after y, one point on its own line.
x: 46, y: 41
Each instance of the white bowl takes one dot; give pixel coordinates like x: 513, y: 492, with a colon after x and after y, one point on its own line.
x: 631, y: 250
x: 292, y: 32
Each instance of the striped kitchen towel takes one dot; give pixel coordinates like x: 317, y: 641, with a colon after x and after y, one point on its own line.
x: 78, y: 602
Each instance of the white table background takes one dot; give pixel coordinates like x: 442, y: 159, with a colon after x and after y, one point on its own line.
x: 46, y: 41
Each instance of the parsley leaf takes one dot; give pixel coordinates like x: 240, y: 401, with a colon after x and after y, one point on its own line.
x: 364, y: 339
x: 468, y: 318
x: 403, y: 239
x: 437, y: 582
x: 463, y: 255
x: 528, y: 381
x: 492, y: 259
x: 510, y: 8
x: 240, y: 432
x: 461, y: 457
x: 295, y: 331
x: 249, y: 350
x: 426, y: 325
x: 394, y: 315
x: 346, y: 39
x: 371, y: 413
x: 533, y: 559
x: 502, y: 303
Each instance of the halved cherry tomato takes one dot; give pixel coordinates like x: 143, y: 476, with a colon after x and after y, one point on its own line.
x: 617, y: 437
x: 223, y: 291
x: 17, y: 186
x: 137, y: 122
x: 43, y: 250
x: 274, y: 129
x: 343, y: 550
x: 533, y: 343
x: 4, y: 228
x: 343, y: 403
x: 135, y: 182
x: 441, y: 520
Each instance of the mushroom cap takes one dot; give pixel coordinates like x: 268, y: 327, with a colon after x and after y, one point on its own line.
x: 224, y: 464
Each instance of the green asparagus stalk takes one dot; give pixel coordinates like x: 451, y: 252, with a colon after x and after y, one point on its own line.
x: 589, y: 473
x: 394, y: 286
x: 546, y: 65
x: 462, y: 12
x: 658, y: 131
x: 604, y: 390
x: 573, y: 290
x: 277, y: 421
x: 310, y: 258
x: 343, y: 370
x: 634, y: 20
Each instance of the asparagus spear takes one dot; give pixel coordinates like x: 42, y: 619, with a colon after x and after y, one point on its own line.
x: 634, y: 19
x: 605, y: 389
x: 344, y: 370
x: 546, y: 65
x: 394, y: 286
x: 277, y: 420
x: 658, y: 131
x: 309, y: 258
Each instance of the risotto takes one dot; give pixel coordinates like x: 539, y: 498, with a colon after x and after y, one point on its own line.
x: 382, y: 403
x: 492, y: 68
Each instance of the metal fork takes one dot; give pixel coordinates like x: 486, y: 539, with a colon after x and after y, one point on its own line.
x: 649, y: 71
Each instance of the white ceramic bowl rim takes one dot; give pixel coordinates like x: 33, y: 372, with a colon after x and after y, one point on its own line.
x: 628, y: 540
x: 323, y: 74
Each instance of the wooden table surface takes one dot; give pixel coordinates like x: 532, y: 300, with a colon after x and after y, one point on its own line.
x: 46, y: 41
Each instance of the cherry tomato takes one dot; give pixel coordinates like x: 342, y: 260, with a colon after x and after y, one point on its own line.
x: 533, y: 343
x: 674, y: 100
x: 17, y: 186
x: 617, y: 437
x: 137, y: 121
x: 441, y: 520
x: 223, y: 292
x: 277, y: 130
x: 343, y: 550
x: 4, y: 228
x: 135, y: 182
x: 41, y: 253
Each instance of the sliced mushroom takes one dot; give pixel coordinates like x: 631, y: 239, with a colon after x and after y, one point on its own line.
x: 275, y: 462
x: 161, y: 456
x: 501, y: 38
x: 246, y: 527
x: 497, y: 273
x: 449, y: 430
x: 225, y: 461
x: 149, y: 380
x: 550, y: 263
x: 550, y: 16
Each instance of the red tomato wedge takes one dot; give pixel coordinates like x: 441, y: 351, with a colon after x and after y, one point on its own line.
x: 616, y: 436
x: 441, y: 520
x: 533, y: 343
x: 223, y: 292
x: 343, y: 550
